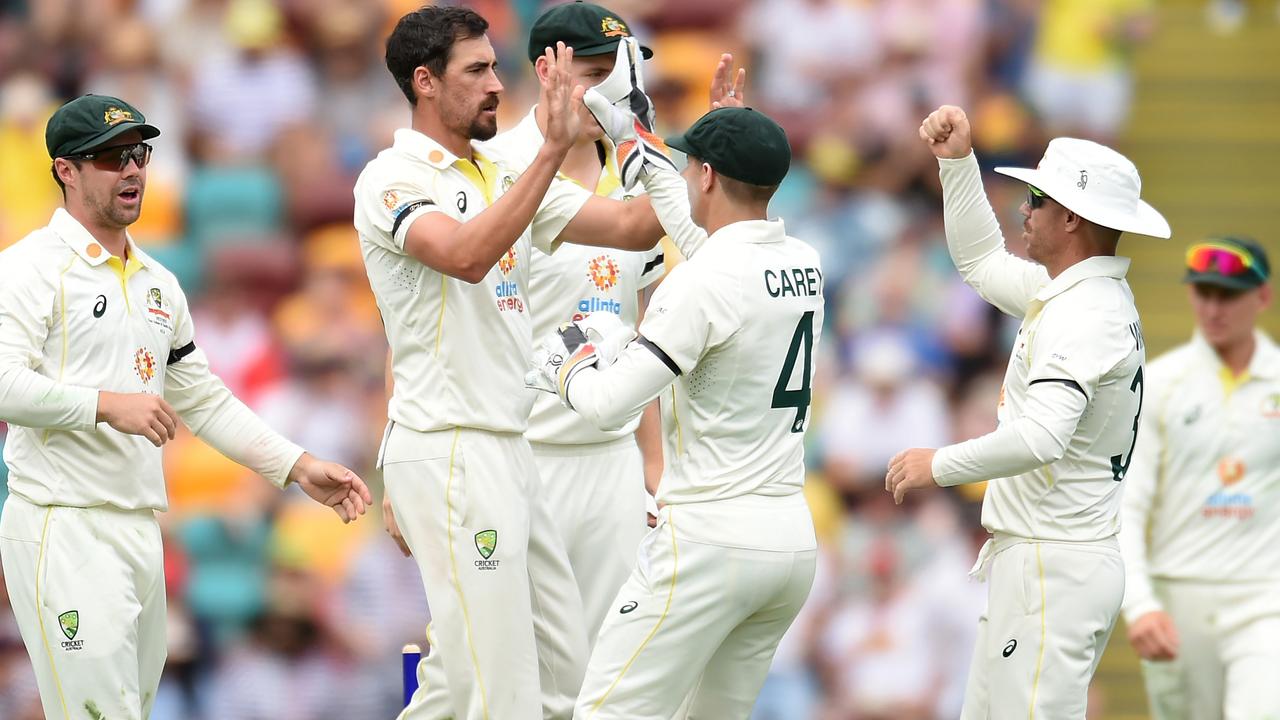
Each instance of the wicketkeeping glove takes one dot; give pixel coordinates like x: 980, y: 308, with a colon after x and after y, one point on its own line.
x: 625, y: 113
x: 595, y: 341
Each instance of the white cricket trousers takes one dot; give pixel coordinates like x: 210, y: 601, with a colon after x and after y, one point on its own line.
x: 695, y: 621
x: 1051, y: 607
x: 596, y: 496
x: 1228, y: 664
x: 468, y: 503
x: 87, y: 589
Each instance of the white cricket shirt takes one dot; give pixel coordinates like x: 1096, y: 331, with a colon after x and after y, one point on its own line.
x: 574, y: 282
x: 1069, y: 407
x: 75, y: 320
x: 459, y: 350
x: 1202, y: 500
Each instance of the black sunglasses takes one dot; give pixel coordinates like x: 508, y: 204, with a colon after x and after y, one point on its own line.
x: 116, y: 158
x: 1035, y: 197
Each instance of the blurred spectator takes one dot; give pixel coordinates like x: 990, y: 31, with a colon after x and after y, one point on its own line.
x: 242, y: 100
x: 876, y: 654
x: 1079, y: 81
x: 28, y: 195
x: 294, y: 666
x: 885, y: 407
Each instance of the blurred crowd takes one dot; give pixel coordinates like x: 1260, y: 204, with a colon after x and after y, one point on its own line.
x: 269, y: 109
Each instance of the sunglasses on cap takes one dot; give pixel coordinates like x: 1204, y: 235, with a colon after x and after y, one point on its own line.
x: 116, y: 158
x: 1035, y: 197
x: 1221, y: 259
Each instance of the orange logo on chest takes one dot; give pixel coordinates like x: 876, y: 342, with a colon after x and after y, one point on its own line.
x: 1230, y: 470
x: 603, y: 272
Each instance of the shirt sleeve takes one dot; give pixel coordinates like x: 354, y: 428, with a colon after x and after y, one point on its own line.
x: 976, y: 244
x: 214, y: 414
x: 28, y: 397
x: 1075, y: 346
x: 563, y: 201
x: 612, y: 397
x: 1137, y: 502
x: 670, y: 199
x: 1038, y: 438
x: 392, y: 205
x: 690, y: 313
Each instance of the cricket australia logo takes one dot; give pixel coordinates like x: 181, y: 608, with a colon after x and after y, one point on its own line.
x: 486, y: 544
x: 613, y: 27
x: 70, y: 623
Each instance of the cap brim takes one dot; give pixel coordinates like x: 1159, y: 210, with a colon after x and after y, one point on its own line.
x: 679, y: 142
x: 147, y: 131
x: 1144, y: 220
x: 610, y: 46
x: 1223, y: 281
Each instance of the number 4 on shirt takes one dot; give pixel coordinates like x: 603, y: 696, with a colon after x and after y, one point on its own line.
x: 798, y: 399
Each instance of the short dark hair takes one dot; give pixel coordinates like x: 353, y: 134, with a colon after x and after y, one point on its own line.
x: 745, y: 193
x: 425, y: 37
x: 53, y: 168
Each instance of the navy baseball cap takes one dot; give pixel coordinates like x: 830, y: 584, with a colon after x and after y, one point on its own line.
x: 739, y: 143
x: 89, y: 122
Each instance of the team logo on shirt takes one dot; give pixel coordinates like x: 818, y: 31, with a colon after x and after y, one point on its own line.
x: 486, y: 544
x: 507, y: 182
x: 114, y: 116
x: 613, y: 27
x: 144, y: 363
x: 390, y: 199
x: 603, y: 272
x: 1230, y: 470
x: 69, y: 621
x: 157, y: 314
x: 1271, y: 406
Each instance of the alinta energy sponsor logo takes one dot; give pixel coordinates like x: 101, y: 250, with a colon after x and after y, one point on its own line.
x: 1271, y: 406
x: 1225, y: 503
x: 508, y: 291
x: 603, y: 272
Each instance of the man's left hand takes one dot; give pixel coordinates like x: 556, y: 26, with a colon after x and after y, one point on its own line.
x: 727, y: 87
x: 910, y: 470
x: 331, y: 484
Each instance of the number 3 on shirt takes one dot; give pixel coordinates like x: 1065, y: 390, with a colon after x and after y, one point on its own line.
x: 798, y: 399
x: 1118, y: 470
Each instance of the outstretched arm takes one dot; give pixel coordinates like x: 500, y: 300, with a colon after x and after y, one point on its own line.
x: 973, y: 234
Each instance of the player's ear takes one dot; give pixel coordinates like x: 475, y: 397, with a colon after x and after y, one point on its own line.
x: 707, y: 178
x: 65, y: 170
x: 540, y: 68
x: 1264, y: 294
x: 425, y: 82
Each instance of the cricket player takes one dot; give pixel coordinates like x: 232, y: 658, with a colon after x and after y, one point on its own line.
x: 445, y: 229
x: 592, y: 480
x: 1201, y: 521
x: 729, y: 344
x: 98, y: 362
x: 1068, y: 416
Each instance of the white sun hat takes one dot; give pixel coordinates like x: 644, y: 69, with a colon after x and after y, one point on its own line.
x: 1096, y: 183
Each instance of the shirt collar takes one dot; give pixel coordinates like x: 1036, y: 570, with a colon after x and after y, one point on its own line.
x: 1264, y: 364
x: 1097, y: 266
x: 423, y: 148
x: 753, y: 231
x: 84, y: 244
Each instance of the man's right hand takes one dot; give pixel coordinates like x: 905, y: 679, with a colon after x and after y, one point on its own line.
x: 138, y: 414
x: 1154, y: 636
x: 389, y: 519
x: 946, y: 131
x: 562, y: 99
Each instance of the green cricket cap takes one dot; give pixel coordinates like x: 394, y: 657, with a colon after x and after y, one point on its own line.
x: 586, y: 27
x: 89, y: 122
x: 1249, y: 279
x: 739, y: 143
